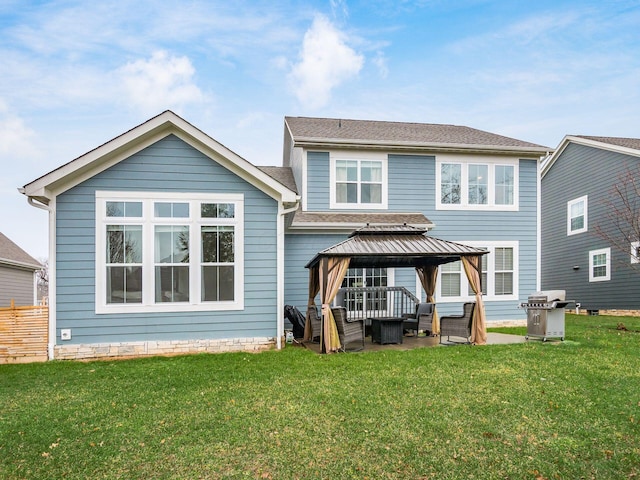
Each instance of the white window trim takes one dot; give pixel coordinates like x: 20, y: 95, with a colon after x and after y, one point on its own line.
x: 466, y: 294
x: 635, y: 258
x: 592, y: 253
x: 358, y: 156
x: 148, y: 223
x: 465, y: 161
x: 585, y: 200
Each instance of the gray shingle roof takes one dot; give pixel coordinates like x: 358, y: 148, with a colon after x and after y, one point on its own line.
x: 308, y: 219
x: 396, y: 246
x: 284, y: 175
x: 633, y: 143
x: 306, y: 129
x: 10, y: 253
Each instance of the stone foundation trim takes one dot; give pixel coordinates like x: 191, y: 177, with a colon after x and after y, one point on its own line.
x: 506, y: 323
x: 161, y: 347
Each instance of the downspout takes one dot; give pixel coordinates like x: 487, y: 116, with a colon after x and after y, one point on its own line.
x: 539, y: 223
x: 282, y: 212
x: 52, y: 270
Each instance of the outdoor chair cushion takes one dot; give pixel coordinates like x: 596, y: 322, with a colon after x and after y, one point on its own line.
x: 420, y: 319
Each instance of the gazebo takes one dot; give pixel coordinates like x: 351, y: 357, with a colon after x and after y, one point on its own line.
x: 391, y: 246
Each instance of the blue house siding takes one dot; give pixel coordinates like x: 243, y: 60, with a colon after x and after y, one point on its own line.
x: 170, y: 165
x: 411, y: 188
x: 411, y: 183
x: 317, y: 181
x: 583, y: 170
x: 409, y: 177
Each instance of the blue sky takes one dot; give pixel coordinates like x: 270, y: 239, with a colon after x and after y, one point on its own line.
x: 77, y: 73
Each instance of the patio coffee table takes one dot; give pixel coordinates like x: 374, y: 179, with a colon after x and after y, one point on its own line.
x: 386, y: 329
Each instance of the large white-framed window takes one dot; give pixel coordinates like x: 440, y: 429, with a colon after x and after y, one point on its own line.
x: 467, y: 183
x: 358, y: 180
x: 600, y: 265
x: 499, y: 274
x: 169, y: 252
x: 577, y: 215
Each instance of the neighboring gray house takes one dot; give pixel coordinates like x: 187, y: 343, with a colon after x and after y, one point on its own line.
x: 18, y: 275
x: 162, y: 240
x: 596, y: 269
x: 465, y: 185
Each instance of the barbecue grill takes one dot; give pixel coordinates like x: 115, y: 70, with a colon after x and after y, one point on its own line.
x: 545, y: 314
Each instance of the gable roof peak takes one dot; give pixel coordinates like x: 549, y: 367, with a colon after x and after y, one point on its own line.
x: 44, y: 188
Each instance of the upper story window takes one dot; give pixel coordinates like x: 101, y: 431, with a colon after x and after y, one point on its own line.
x: 600, y: 265
x: 476, y: 185
x: 358, y: 180
x: 577, y: 215
x: 160, y: 252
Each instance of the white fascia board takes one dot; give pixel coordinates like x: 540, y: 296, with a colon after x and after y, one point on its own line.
x: 22, y: 265
x: 142, y: 136
x: 524, y: 152
x: 588, y: 143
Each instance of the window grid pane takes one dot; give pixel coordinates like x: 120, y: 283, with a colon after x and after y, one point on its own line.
x: 450, y: 279
x: 478, y: 184
x: 450, y: 183
x: 123, y: 264
x: 577, y: 215
x: 171, y: 255
x: 358, y: 181
x: 124, y: 284
x: 218, y: 278
x: 171, y: 209
x: 503, y: 271
x: 504, y: 184
x: 124, y: 209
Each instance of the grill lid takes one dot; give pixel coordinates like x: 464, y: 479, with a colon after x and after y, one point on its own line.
x: 548, y: 296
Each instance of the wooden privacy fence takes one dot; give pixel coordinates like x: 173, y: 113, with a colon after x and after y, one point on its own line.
x: 23, y: 334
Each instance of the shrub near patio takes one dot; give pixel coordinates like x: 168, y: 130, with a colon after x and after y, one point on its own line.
x: 539, y: 410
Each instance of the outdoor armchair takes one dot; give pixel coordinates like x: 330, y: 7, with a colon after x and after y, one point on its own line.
x: 349, y: 330
x: 316, y: 323
x: 420, y: 319
x: 458, y: 325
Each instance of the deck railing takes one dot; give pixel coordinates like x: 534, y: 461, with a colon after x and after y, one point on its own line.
x: 366, y: 302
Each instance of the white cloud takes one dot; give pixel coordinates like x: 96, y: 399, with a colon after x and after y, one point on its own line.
x: 16, y: 139
x: 339, y: 7
x: 326, y: 61
x: 380, y: 62
x: 161, y: 82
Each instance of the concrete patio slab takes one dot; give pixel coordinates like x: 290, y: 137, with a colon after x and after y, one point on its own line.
x: 410, y: 342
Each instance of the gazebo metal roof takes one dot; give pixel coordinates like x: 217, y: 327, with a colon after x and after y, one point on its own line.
x: 396, y: 246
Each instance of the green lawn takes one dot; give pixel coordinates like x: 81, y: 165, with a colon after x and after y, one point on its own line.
x: 538, y: 410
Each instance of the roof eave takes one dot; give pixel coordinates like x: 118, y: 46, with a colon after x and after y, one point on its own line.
x: 586, y: 142
x: 24, y: 265
x: 74, y: 172
x: 335, y: 226
x: 316, y: 142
